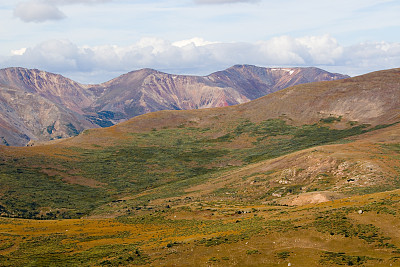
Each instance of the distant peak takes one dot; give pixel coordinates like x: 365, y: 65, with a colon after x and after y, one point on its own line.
x: 244, y: 66
x: 147, y: 70
x: 144, y: 71
x: 26, y: 70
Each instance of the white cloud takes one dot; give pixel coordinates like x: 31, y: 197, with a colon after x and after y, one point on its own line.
x: 37, y: 11
x: 55, y: 55
x: 18, y: 52
x: 314, y: 50
x: 373, y: 56
x: 322, y: 49
x: 194, y: 41
x: 44, y: 10
x: 197, y: 56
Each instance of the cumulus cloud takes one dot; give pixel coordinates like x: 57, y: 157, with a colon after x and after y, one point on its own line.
x: 217, y: 2
x: 37, y: 11
x: 197, y: 56
x: 18, y: 52
x: 55, y: 55
x: 44, y: 10
x: 196, y: 41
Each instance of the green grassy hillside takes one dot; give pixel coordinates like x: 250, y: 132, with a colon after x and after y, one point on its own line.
x: 57, y: 181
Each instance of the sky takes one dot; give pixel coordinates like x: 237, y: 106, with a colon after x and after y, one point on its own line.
x: 92, y: 41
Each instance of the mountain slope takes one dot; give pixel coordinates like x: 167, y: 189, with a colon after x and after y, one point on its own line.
x: 147, y: 90
x: 25, y: 116
x: 315, y: 175
x: 54, y: 87
x: 255, y: 82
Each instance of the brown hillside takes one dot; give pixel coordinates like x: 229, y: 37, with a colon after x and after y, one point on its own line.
x: 372, y: 99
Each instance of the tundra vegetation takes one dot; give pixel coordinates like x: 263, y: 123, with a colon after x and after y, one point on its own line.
x: 177, y: 194
x: 206, y: 188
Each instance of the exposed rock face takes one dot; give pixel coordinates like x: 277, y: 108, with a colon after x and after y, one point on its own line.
x: 37, y: 105
x: 25, y: 116
x: 56, y: 88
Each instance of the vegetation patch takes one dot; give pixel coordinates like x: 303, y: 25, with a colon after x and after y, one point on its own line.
x: 283, y: 255
x: 331, y: 119
x: 337, y: 223
x: 340, y: 258
x: 252, y: 251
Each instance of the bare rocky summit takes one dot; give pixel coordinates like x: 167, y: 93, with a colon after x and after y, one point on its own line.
x: 37, y: 105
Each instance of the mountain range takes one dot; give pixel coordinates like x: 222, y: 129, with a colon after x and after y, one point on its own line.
x: 306, y: 176
x: 38, y: 106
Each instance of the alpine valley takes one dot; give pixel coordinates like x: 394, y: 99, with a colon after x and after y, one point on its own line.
x: 307, y: 175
